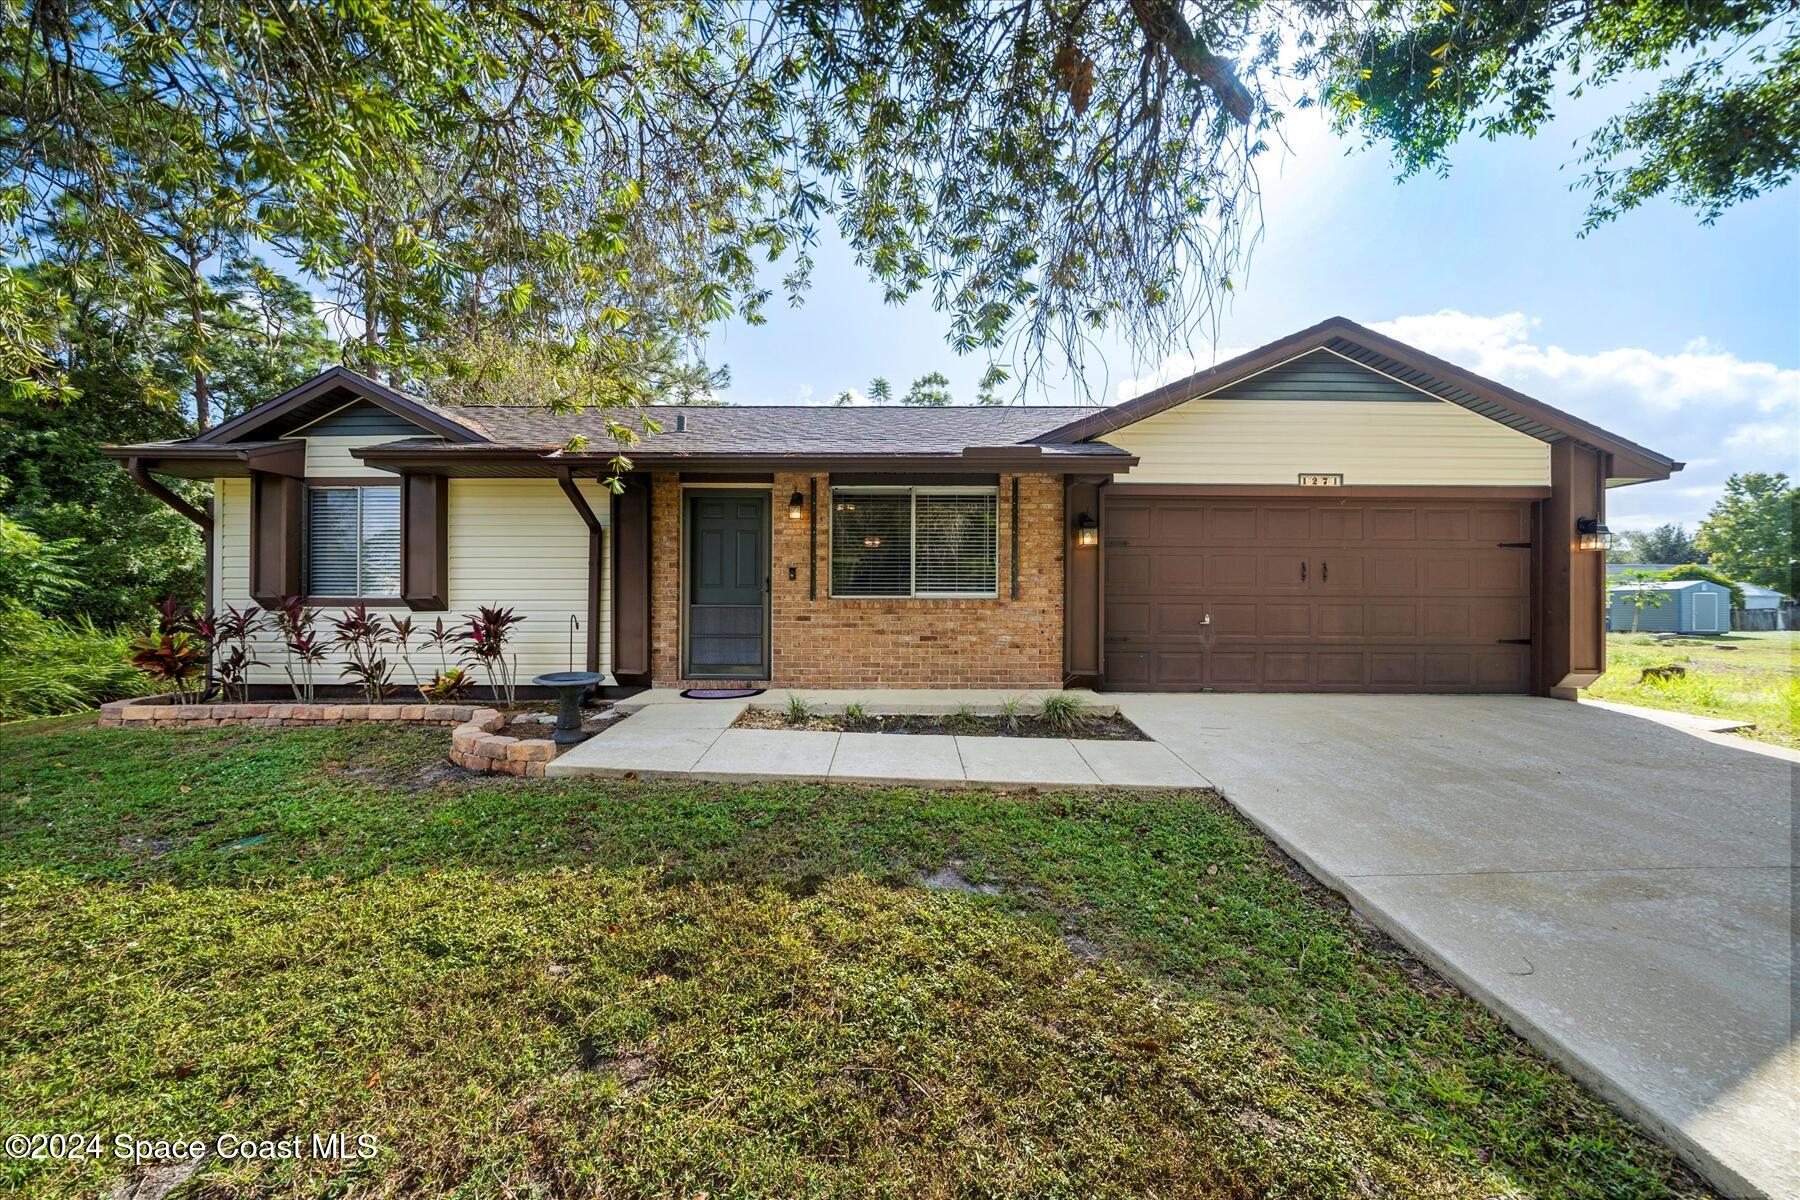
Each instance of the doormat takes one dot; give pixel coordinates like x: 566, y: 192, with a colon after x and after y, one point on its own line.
x: 722, y: 693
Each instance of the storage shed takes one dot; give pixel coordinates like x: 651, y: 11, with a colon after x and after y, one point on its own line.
x: 1689, y: 606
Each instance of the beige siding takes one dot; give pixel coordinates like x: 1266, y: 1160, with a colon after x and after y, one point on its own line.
x: 330, y: 458
x: 515, y: 543
x: 1369, y: 442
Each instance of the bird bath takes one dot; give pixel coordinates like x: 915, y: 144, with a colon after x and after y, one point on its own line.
x: 568, y: 686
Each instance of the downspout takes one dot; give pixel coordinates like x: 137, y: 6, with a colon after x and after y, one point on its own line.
x: 140, y: 475
x: 565, y: 478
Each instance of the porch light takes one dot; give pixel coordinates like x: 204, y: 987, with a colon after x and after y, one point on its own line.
x: 1590, y: 534
x: 1087, y: 531
x: 796, y: 506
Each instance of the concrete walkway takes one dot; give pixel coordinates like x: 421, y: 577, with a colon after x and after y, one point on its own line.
x: 1619, y: 890
x: 692, y: 740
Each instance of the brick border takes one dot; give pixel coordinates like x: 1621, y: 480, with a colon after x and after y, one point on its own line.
x: 473, y: 743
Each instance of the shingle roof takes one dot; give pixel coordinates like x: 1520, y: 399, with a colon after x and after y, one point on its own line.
x: 817, y: 430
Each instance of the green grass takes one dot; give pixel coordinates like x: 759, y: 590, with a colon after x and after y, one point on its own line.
x: 1747, y: 676
x: 607, y: 988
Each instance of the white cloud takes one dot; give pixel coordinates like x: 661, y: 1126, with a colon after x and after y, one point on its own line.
x: 1700, y: 375
x: 804, y: 395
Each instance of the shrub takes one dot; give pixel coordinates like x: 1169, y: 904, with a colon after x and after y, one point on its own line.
x: 1709, y: 574
x: 50, y: 666
x: 1066, y: 713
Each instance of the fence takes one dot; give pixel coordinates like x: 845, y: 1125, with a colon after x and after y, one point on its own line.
x: 1762, y: 619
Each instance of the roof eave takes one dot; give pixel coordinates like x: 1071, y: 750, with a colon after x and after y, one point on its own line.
x: 199, y: 460
x: 1024, y: 458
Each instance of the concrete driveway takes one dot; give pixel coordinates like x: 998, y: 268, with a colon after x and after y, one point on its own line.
x: 1618, y: 890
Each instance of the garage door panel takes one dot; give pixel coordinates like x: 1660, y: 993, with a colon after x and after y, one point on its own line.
x: 1178, y: 572
x: 1445, y: 525
x: 1280, y: 572
x: 1127, y: 574
x: 1340, y: 525
x: 1393, y: 575
x: 1128, y: 616
x: 1183, y: 670
x: 1393, y: 620
x: 1342, y: 573
x: 1230, y: 523
x: 1282, y: 620
x: 1393, y: 525
x: 1397, y: 596
x: 1339, y: 620
x: 1233, y: 572
x: 1129, y: 523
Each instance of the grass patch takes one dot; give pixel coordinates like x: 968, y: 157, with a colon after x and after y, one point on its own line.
x: 49, y: 665
x: 603, y: 987
x: 1743, y: 676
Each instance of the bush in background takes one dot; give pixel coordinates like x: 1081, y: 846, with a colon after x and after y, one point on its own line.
x: 49, y: 665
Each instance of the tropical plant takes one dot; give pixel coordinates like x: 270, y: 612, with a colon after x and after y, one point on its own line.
x: 484, y: 641
x: 297, y: 625
x: 231, y: 640
x: 361, y: 635
x: 172, y: 653
x: 1064, y: 712
x: 448, y: 686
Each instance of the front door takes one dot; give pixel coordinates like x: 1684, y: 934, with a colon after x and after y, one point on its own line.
x: 727, y: 585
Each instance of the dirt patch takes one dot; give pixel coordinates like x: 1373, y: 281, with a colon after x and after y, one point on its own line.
x: 1113, y: 728
x: 539, y: 720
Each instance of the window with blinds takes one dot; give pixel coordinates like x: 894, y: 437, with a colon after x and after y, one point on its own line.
x: 353, y: 542
x: 914, y: 542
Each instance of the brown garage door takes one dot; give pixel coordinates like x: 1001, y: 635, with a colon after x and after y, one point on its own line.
x: 1317, y: 595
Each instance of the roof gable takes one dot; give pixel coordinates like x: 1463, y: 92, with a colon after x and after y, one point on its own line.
x: 1321, y: 375
x: 358, y: 418
x: 330, y: 392
x: 1398, y: 362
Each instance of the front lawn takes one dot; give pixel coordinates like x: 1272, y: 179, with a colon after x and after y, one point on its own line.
x: 1744, y: 676
x: 599, y: 988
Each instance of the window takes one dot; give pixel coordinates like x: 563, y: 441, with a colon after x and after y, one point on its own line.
x: 914, y: 541
x: 353, y: 542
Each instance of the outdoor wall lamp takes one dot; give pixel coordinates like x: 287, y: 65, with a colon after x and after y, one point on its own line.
x: 1590, y: 534
x: 1087, y: 531
x: 796, y: 506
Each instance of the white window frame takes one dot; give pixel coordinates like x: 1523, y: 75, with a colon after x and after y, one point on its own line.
x: 306, y: 542
x: 912, y: 567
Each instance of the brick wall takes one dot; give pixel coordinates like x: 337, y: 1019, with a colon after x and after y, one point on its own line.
x: 824, y: 642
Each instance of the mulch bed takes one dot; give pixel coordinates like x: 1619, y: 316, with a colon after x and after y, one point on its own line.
x: 1111, y: 728
x: 538, y: 719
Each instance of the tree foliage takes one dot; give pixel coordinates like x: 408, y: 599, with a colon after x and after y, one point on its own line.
x: 1665, y: 544
x: 1700, y: 571
x: 1752, y: 531
x: 1719, y: 123
x: 931, y: 390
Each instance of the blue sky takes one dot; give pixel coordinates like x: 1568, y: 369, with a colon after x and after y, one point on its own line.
x: 1683, y: 337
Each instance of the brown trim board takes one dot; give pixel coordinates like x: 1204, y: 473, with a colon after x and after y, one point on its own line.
x: 565, y: 479
x: 1344, y: 492
x: 359, y: 386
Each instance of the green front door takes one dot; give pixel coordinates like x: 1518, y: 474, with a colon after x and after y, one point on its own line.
x: 727, y: 585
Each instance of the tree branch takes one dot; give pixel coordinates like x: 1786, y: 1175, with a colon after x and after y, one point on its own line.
x: 1164, y: 25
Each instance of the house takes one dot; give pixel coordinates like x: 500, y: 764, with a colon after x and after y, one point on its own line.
x: 1688, y: 606
x: 1760, y: 598
x: 1335, y: 511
